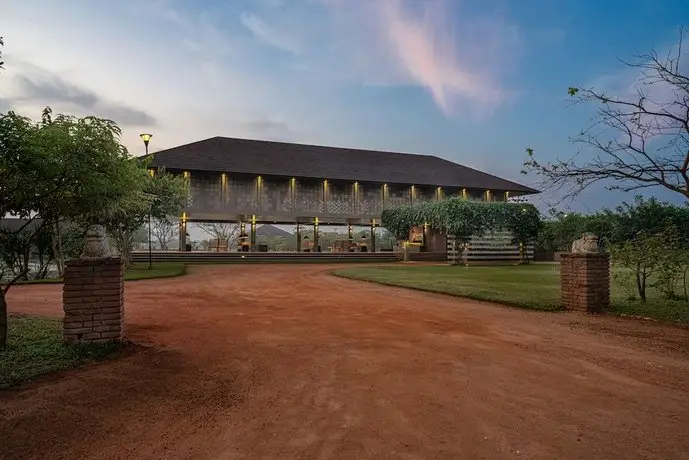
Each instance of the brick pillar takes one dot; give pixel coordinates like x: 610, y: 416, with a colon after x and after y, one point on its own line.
x: 585, y: 281
x: 93, y: 300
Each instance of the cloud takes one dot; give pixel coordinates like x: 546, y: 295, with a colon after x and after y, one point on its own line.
x: 268, y: 129
x: 36, y: 86
x: 267, y: 34
x: 459, y: 62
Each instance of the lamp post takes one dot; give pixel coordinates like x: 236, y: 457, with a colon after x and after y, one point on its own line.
x: 147, y: 138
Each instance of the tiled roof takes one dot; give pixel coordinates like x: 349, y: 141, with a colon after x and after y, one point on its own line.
x: 269, y: 158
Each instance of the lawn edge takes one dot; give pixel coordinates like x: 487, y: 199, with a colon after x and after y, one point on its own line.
x: 448, y: 294
x: 182, y: 272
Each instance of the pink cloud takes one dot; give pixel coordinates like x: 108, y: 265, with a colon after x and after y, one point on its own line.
x: 427, y: 48
x: 459, y: 60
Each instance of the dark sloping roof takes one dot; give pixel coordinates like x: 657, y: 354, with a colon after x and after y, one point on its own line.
x: 270, y: 158
x: 12, y: 224
x: 271, y: 230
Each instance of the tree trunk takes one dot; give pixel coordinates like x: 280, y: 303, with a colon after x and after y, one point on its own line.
x: 26, y: 264
x: 56, y: 242
x: 641, y: 284
x: 3, y: 318
x: 123, y: 239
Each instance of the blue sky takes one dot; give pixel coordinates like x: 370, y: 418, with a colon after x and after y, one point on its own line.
x: 471, y: 81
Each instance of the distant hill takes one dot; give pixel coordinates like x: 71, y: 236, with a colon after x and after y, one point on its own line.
x: 271, y: 230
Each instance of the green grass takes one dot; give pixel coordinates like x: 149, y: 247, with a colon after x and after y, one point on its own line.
x: 35, y: 347
x: 158, y: 270
x: 134, y: 272
x: 534, y: 286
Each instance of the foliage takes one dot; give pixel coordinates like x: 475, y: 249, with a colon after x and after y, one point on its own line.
x: 161, y: 196
x: 615, y: 226
x: 464, y: 219
x: 645, y: 255
x: 36, y: 347
x: 638, y: 141
x: 18, y: 249
x: 69, y: 169
x: 2, y: 43
x: 652, y: 216
x: 64, y: 168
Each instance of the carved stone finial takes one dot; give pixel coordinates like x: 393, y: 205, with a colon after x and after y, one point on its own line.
x: 96, y: 246
x: 587, y: 244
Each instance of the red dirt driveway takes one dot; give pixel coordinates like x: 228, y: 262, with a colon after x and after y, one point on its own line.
x: 289, y: 362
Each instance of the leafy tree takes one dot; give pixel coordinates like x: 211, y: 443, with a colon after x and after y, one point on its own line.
x: 652, y: 217
x: 2, y: 43
x: 161, y: 195
x: 22, y: 167
x: 463, y: 219
x: 525, y: 224
x: 164, y: 230
x: 68, y: 169
x: 644, y: 255
x: 96, y: 180
x: 639, y: 141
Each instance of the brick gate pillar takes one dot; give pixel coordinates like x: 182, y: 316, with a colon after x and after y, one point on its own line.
x: 585, y: 281
x: 93, y: 293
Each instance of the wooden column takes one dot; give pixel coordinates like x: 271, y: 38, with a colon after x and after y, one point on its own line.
x: 298, y: 237
x: 253, y: 235
x: 373, y: 237
x: 182, y: 234
x: 315, y: 236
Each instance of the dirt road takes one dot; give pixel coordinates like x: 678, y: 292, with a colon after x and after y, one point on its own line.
x: 282, y: 362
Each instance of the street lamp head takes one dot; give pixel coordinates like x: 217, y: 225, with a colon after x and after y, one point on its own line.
x: 146, y: 138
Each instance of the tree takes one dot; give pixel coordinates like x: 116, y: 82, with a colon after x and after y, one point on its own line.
x: 645, y: 254
x: 87, y: 176
x: 223, y: 233
x: 2, y: 43
x: 65, y: 169
x: 639, y: 141
x: 162, y: 195
x: 22, y: 168
x: 164, y: 230
x: 463, y: 219
x: 525, y: 225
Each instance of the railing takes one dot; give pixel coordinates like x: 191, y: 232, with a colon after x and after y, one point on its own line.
x: 265, y: 257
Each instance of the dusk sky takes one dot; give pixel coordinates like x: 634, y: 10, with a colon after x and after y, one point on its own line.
x: 471, y: 81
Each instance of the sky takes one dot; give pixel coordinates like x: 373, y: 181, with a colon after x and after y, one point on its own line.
x: 475, y: 82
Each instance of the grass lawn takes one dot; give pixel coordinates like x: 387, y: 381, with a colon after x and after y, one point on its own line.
x: 35, y: 347
x: 535, y: 286
x: 159, y: 270
x: 135, y: 272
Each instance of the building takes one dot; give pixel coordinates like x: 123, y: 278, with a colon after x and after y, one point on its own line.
x: 254, y: 181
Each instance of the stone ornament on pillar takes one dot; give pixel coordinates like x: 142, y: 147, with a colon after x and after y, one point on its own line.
x: 96, y: 245
x: 585, y: 276
x: 587, y: 244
